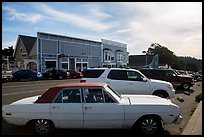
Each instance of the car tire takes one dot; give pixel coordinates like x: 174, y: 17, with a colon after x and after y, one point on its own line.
x: 186, y: 86
x: 60, y: 77
x: 43, y: 127
x: 149, y: 125
x: 30, y: 78
x: 161, y: 94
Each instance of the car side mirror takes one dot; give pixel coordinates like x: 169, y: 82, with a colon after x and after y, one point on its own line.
x: 144, y: 79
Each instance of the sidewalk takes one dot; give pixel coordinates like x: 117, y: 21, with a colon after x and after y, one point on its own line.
x: 194, y: 125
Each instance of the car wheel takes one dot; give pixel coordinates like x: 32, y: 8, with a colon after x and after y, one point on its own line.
x: 30, y: 78
x: 60, y: 77
x: 150, y: 125
x: 43, y: 127
x: 161, y: 94
x: 186, y: 86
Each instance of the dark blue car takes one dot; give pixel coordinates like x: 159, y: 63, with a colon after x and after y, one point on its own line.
x: 55, y: 74
x: 25, y: 74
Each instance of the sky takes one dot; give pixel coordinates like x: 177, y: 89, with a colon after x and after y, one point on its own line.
x: 175, y: 25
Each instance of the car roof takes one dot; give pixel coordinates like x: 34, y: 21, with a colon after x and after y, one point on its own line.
x: 105, y: 68
x: 87, y: 84
x: 49, y: 95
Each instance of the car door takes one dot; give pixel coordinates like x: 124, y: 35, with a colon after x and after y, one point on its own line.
x: 66, y: 110
x: 171, y: 77
x: 136, y: 84
x: 101, y: 111
x: 116, y: 79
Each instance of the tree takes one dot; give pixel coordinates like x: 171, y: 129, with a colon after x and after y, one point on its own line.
x: 165, y: 55
x: 8, y: 52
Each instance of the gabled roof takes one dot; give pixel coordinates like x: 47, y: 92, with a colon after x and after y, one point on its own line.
x: 28, y: 42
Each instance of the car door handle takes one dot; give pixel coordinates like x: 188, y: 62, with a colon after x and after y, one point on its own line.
x: 55, y: 107
x: 87, y: 108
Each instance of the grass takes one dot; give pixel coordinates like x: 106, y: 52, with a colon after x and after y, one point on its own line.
x: 198, y: 97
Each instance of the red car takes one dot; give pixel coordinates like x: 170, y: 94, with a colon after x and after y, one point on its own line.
x: 75, y: 74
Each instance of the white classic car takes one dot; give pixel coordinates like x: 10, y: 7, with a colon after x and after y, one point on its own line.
x: 91, y: 105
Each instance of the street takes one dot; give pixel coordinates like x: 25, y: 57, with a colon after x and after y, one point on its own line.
x: 13, y: 91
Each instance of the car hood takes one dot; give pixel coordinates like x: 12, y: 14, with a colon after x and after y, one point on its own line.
x: 147, y: 100
x: 185, y: 76
x: 159, y: 81
x: 29, y: 100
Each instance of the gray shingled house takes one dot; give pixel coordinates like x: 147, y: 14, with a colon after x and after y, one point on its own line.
x: 25, y: 52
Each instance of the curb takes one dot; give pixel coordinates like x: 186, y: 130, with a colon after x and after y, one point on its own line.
x: 194, y: 125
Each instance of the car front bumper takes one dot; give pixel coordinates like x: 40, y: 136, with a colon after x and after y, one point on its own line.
x: 178, y: 119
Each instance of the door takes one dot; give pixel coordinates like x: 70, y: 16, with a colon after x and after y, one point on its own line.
x: 100, y: 111
x: 66, y: 110
x: 171, y: 77
x: 71, y: 64
x: 117, y: 80
x: 136, y: 84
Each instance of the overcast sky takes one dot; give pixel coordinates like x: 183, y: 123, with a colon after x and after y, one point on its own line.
x: 177, y: 26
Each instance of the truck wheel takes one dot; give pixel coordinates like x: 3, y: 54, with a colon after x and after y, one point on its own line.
x: 43, y: 127
x: 186, y: 86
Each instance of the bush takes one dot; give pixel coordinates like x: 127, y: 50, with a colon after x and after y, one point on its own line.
x: 199, y: 97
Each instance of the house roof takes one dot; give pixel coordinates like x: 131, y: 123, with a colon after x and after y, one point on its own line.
x: 28, y: 42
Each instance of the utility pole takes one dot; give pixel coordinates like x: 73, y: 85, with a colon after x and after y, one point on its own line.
x: 7, y: 58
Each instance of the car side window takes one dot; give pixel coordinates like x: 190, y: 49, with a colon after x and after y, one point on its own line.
x: 94, y: 95
x: 135, y: 76
x: 117, y: 75
x: 69, y: 96
x: 97, y: 95
x: 108, y: 99
x: 170, y: 73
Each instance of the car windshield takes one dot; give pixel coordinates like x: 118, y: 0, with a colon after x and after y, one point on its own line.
x: 115, y: 94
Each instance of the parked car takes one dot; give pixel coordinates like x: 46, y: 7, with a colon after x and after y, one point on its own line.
x: 74, y: 74
x: 170, y: 75
x: 24, y: 74
x: 56, y: 74
x: 129, y: 81
x: 91, y: 106
x: 39, y: 75
x: 6, y: 75
x: 188, y: 73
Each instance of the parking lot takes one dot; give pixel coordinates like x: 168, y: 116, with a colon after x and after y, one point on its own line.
x: 13, y: 91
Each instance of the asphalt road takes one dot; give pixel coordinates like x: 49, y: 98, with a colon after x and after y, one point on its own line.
x: 13, y: 91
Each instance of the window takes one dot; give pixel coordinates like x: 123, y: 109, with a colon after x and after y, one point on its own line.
x: 65, y: 66
x: 108, y: 99
x: 106, y: 54
x: 93, y: 73
x: 132, y: 75
x: 152, y: 73
x: 117, y: 75
x: 94, y: 95
x: 170, y: 73
x: 69, y: 96
x: 119, y: 56
x: 97, y: 95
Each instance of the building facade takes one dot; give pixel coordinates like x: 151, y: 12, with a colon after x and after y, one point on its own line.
x: 114, y: 54
x: 48, y: 51
x: 68, y: 53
